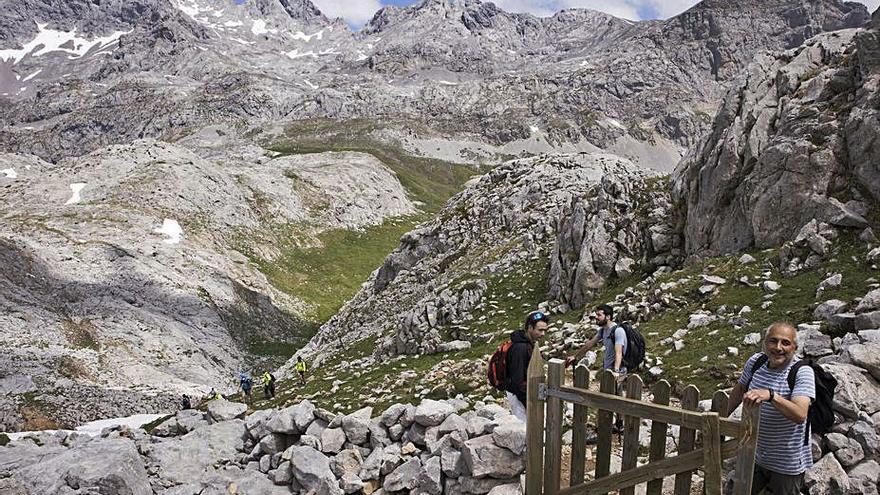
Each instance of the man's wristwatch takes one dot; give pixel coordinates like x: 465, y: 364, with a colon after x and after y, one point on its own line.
x: 772, y: 394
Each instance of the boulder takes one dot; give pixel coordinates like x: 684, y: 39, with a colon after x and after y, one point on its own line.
x: 85, y: 467
x: 349, y: 461
x: 871, y: 302
x: 866, y: 436
x: 484, y: 458
x: 842, y: 322
x: 855, y: 391
x: 357, y: 425
x: 430, y: 479
x: 812, y: 342
x: 181, y: 459
x: 828, y: 308
x: 511, y: 435
x: 866, y: 356
x: 867, y: 321
x: 432, y: 412
x: 404, y: 477
x: 311, y: 470
x: 452, y: 463
x: 223, y: 410
x: 256, y: 423
x: 508, y: 489
x: 827, y: 477
x: 864, y: 478
x: 332, y: 440
x: 390, y: 416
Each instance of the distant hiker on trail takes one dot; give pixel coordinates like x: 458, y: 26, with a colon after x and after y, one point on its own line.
x: 301, y: 369
x: 522, y: 344
x: 214, y: 395
x: 783, y: 453
x: 246, y: 383
x: 268, y: 385
x: 185, y: 402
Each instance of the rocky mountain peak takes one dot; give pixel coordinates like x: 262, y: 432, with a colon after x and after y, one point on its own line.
x: 303, y: 10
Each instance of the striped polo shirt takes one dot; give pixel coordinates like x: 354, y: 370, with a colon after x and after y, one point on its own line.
x: 781, y: 446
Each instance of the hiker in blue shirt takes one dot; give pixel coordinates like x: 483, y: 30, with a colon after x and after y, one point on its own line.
x: 613, y: 337
x: 246, y: 382
x: 782, y: 454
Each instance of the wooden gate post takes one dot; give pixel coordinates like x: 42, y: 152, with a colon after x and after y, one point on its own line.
x: 553, y: 439
x: 534, y: 426
x: 711, y: 433
x: 689, y: 400
x: 748, y: 443
x: 579, y: 430
x: 658, y: 435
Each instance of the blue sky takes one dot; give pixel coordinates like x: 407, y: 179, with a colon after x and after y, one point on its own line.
x: 358, y: 12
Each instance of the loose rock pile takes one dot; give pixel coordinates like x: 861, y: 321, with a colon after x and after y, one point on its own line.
x: 431, y: 448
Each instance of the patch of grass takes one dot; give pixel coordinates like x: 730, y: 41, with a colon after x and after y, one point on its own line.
x: 4, y: 439
x: 149, y: 427
x: 327, y: 276
x: 509, y: 296
x: 82, y: 335
x: 73, y: 368
x: 428, y: 180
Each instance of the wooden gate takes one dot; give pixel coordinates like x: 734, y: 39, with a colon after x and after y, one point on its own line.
x: 544, y: 441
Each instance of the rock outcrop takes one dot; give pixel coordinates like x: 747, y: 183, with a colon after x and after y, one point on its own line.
x: 504, y: 221
x: 794, y: 141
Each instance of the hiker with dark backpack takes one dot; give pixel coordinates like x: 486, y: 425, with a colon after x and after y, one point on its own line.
x: 624, y: 349
x: 784, y: 387
x: 508, y: 366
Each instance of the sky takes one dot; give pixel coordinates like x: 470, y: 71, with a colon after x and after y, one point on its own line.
x: 358, y: 12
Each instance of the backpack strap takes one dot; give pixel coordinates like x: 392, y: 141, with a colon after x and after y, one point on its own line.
x: 761, y: 361
x: 792, y: 377
x: 793, y: 371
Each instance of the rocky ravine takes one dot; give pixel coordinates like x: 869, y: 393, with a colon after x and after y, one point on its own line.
x: 124, y: 268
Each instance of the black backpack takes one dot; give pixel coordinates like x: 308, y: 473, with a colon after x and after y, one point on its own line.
x: 635, y: 347
x: 820, y: 416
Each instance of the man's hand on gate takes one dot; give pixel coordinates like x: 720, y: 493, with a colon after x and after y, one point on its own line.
x: 756, y: 396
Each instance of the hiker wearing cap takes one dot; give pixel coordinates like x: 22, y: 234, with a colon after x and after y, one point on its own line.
x: 613, y: 337
x: 783, y: 452
x: 518, y: 357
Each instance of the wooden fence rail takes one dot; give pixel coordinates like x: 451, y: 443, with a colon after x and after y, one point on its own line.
x: 548, y: 393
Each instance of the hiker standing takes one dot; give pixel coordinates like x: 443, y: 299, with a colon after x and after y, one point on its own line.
x: 301, y: 369
x: 783, y: 452
x: 246, y: 383
x: 613, y: 336
x: 518, y: 356
x: 268, y: 385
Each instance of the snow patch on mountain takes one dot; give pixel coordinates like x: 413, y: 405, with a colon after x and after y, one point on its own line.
x: 50, y: 40
x: 77, y: 188
x: 172, y: 229
x: 9, y: 172
x: 259, y: 27
x: 299, y: 35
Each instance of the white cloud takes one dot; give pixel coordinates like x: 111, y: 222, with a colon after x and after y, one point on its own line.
x: 356, y: 13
